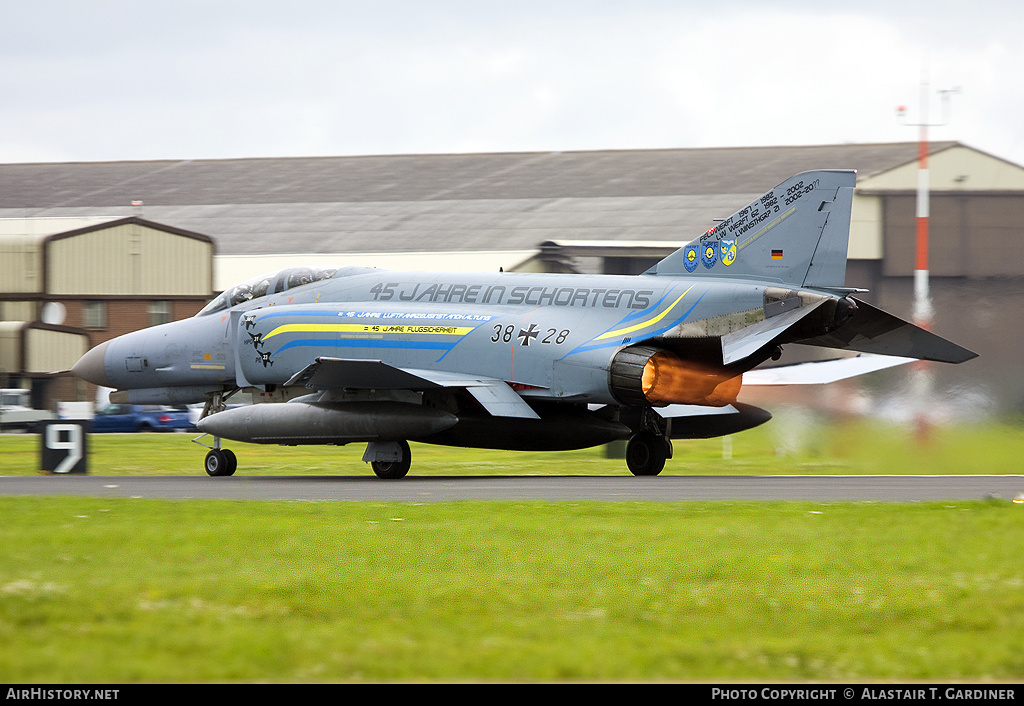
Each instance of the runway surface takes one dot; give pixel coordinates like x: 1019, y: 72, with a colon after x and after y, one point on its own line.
x: 558, y: 488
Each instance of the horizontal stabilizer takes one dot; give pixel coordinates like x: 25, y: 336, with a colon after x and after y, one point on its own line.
x: 821, y: 372
x: 872, y: 330
x: 337, y: 374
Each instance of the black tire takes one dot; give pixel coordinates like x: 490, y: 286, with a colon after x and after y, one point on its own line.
x: 230, y: 461
x: 220, y: 462
x: 646, y: 454
x: 392, y: 470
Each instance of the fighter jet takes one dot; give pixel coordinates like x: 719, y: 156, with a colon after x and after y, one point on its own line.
x: 521, y: 361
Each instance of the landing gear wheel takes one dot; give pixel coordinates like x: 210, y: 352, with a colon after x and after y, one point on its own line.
x: 646, y: 453
x: 220, y: 462
x: 390, y: 470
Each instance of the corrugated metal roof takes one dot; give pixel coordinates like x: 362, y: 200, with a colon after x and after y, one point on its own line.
x: 409, y: 203
x: 540, y: 175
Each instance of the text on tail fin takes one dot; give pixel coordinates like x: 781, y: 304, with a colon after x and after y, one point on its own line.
x: 795, y: 234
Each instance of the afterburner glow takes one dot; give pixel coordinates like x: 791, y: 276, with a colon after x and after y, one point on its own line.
x: 670, y: 380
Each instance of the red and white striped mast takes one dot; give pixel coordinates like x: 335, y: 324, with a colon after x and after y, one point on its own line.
x: 922, y: 298
x: 923, y: 311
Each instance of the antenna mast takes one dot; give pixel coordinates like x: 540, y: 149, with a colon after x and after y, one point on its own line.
x: 923, y: 312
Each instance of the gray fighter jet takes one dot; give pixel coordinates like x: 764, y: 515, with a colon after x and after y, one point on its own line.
x: 521, y: 361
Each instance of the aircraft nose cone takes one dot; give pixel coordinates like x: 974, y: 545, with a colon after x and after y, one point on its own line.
x: 90, y: 366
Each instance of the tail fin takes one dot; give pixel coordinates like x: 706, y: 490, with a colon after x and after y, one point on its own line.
x: 796, y: 234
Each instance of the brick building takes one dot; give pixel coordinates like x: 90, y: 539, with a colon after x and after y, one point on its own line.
x: 67, y: 284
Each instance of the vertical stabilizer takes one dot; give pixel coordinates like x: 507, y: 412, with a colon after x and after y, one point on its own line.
x: 796, y: 234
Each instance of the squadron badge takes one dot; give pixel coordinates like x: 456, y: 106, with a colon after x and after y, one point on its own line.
x: 728, y: 251
x: 709, y: 256
x: 690, y: 258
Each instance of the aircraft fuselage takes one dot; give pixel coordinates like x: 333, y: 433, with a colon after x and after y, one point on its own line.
x: 546, y: 338
x: 517, y: 360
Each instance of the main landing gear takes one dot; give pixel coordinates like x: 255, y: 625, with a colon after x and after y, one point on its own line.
x: 646, y: 453
x: 390, y: 460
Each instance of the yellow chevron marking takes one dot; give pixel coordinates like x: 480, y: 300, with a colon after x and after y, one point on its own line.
x: 644, y: 324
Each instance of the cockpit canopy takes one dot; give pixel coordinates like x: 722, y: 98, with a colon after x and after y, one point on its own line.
x: 273, y: 283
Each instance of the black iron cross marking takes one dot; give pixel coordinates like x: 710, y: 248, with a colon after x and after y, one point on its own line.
x: 526, y: 335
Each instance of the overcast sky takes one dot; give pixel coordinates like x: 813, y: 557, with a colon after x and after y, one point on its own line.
x: 182, y: 79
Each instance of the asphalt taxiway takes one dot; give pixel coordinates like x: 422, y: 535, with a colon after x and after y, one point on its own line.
x: 553, y: 488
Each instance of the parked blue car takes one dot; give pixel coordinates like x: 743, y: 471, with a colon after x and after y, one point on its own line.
x: 137, y: 417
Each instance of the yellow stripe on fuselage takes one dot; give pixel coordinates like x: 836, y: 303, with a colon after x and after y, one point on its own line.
x: 370, y: 329
x: 644, y: 324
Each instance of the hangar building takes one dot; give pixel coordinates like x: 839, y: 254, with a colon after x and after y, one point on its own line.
x: 612, y: 211
x: 72, y: 283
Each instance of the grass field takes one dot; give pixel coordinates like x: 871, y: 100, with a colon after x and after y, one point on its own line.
x: 786, y: 445
x: 99, y: 590
x: 127, y: 591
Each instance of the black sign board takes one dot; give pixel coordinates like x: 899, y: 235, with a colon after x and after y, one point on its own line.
x: 64, y: 446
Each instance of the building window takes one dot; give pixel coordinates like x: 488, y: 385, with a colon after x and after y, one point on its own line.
x: 159, y: 312
x: 95, y: 314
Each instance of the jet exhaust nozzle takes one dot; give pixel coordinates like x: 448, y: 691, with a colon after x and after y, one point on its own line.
x: 643, y: 375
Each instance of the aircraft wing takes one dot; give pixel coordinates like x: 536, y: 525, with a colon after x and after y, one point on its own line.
x: 338, y: 373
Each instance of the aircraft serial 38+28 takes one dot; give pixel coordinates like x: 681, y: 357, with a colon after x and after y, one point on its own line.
x: 521, y: 361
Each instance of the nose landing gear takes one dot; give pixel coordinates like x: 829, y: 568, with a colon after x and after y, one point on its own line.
x: 220, y: 462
